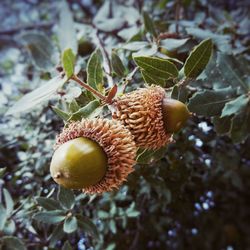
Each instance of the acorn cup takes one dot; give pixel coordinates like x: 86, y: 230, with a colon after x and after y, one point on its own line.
x: 150, y: 116
x: 93, y: 155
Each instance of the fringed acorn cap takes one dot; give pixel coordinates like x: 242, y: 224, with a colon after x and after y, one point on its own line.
x: 116, y: 141
x: 141, y: 112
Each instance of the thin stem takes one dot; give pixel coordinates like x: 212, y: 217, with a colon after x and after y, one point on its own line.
x: 89, y: 88
x: 27, y: 27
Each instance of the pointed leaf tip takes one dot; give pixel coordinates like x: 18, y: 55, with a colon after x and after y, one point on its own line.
x: 68, y: 62
x: 198, y: 59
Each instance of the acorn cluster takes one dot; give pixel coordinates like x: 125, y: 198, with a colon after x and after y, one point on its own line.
x: 96, y: 155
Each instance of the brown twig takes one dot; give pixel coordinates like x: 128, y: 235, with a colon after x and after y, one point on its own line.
x: 89, y: 88
x: 27, y: 27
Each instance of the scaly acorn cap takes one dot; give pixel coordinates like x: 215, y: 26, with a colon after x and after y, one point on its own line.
x: 141, y: 112
x: 116, y: 141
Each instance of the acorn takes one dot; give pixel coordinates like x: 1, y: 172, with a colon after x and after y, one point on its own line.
x: 93, y: 155
x: 150, y: 115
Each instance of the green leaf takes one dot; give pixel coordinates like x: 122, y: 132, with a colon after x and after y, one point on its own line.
x: 135, y: 46
x: 117, y: 64
x: 180, y: 93
x: 48, y: 203
x: 103, y: 214
x: 70, y: 225
x: 112, y: 226
x: 2, y: 171
x: 175, y: 92
x: 111, y: 246
x: 68, y: 62
x: 110, y: 24
x: 222, y: 125
x: 86, y: 224
x: 66, y: 30
x: 66, y: 197
x: 56, y: 235
x: 3, y: 217
x: 150, y: 50
x: 73, y: 106
x: 131, y: 34
x: 235, y: 106
x: 94, y: 70
x: 37, y: 96
x: 9, y: 227
x: 149, y: 24
x: 151, y: 79
x: 41, y: 49
x: 133, y: 214
x: 85, y: 111
x: 210, y: 102
x: 221, y: 41
x: 62, y: 114
x: 240, y: 128
x: 73, y: 93
x: 113, y: 209
x: 173, y: 44
x: 149, y: 156
x: 198, y: 59
x: 12, y: 243
x: 67, y: 246
x: 50, y: 217
x: 232, y: 71
x: 160, y: 68
x: 103, y: 21
x: 8, y: 201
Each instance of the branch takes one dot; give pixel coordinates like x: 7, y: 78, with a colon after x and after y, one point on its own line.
x: 27, y: 27
x: 89, y: 88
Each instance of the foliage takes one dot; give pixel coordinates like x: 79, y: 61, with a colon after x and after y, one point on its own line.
x: 184, y: 196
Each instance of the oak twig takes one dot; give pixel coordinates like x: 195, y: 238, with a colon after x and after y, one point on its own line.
x: 27, y: 27
x: 92, y: 90
x: 89, y: 88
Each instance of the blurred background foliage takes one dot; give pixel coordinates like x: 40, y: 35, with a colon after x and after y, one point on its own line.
x: 193, y: 194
